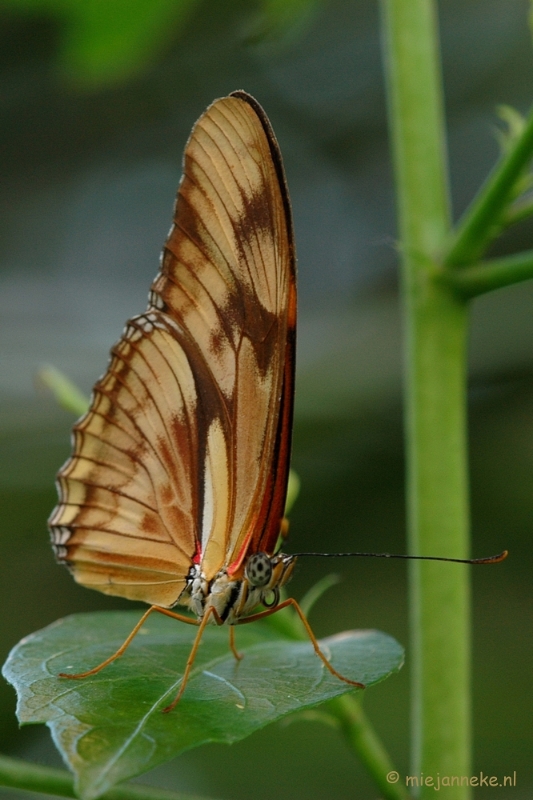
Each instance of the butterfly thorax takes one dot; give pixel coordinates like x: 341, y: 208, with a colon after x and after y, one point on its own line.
x: 235, y: 598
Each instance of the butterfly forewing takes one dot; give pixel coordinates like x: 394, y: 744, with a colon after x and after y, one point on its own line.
x: 184, y: 452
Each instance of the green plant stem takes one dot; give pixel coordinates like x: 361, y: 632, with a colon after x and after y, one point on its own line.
x: 435, y: 325
x: 489, y: 275
x: 66, y: 393
x: 483, y: 219
x: 438, y: 522
x: 362, y: 738
x: 18, y: 774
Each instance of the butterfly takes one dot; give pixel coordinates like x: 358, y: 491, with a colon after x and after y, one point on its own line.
x: 176, y: 489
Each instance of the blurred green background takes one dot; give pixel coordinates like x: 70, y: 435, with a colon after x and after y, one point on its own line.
x: 96, y: 101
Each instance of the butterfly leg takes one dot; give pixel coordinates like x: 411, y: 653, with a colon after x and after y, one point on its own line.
x: 192, y: 655
x: 123, y: 647
x: 232, y: 645
x: 292, y: 602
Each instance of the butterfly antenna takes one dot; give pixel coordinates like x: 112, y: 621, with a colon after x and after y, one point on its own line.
x: 488, y: 560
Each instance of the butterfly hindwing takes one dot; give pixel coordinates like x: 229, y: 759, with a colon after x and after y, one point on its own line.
x: 125, y: 524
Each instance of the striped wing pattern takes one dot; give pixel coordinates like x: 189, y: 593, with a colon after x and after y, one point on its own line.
x: 183, y: 455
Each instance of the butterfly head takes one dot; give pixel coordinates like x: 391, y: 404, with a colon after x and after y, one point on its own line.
x: 265, y: 572
x: 234, y: 598
x: 266, y: 575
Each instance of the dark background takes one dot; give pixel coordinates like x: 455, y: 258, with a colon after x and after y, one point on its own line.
x: 90, y: 154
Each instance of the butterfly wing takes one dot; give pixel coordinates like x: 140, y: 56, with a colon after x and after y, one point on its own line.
x: 228, y: 277
x: 125, y: 523
x: 184, y: 452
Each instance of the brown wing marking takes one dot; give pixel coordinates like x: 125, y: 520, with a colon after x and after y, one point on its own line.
x: 227, y: 277
x: 267, y: 531
x: 126, y: 521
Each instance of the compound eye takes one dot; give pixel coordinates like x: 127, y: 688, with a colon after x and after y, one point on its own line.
x: 258, y: 569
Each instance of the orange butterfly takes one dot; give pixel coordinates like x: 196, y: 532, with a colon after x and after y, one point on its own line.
x: 176, y: 490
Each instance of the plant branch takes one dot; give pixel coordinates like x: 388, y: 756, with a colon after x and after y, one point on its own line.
x: 484, y: 217
x: 66, y: 393
x: 489, y: 275
x: 18, y: 774
x: 362, y: 738
x: 435, y: 326
x: 416, y: 121
x: 519, y: 211
x: 345, y: 712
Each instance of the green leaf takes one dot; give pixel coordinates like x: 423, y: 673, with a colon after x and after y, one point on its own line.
x: 103, y: 42
x: 109, y: 727
x: 283, y: 15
